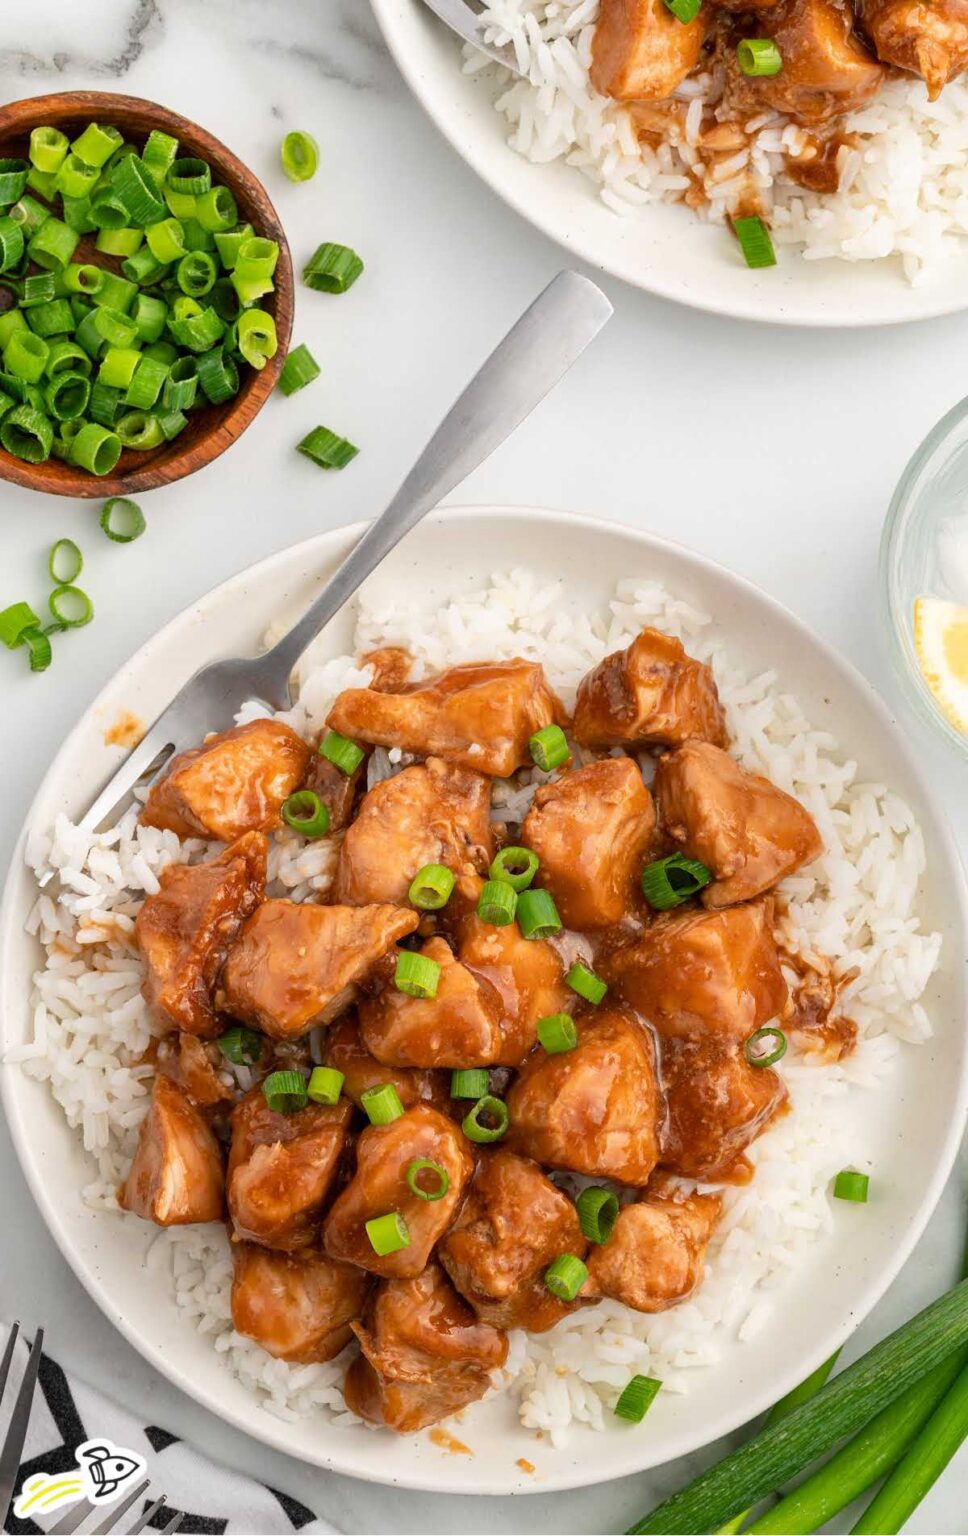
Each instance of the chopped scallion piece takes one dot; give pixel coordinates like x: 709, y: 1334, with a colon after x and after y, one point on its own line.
x: 765, y: 1046
x: 549, y: 748
x: 636, y: 1398
x: 122, y: 520
x: 14, y: 620
x: 327, y: 449
x: 684, y: 10
x: 586, y: 983
x: 669, y: 882
x: 381, y: 1104
x: 305, y: 813
x: 39, y: 647
x: 516, y: 866
x: 416, y: 975
x: 65, y: 562
x: 469, y: 1083
x: 285, y: 1092
x: 325, y: 1085
x: 849, y: 1185
x: 300, y: 156
x: 70, y: 606
x: 417, y: 1179
x: 342, y: 753
x: 537, y: 915
x: 755, y: 242
x: 759, y: 56
x: 488, y: 1121
x: 241, y: 1046
x: 597, y: 1212
x: 496, y: 903
x: 431, y: 887
x: 299, y: 369
x: 332, y: 269
x: 557, y: 1033
x: 388, y: 1234
x: 565, y: 1276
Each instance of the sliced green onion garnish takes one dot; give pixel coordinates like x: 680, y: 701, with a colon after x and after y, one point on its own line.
x: 13, y: 180
x: 305, y: 813
x: 48, y: 149
x: 299, y: 369
x: 325, y: 1085
x: 300, y: 156
x: 122, y: 520
x: 431, y: 887
x: 765, y: 1046
x: 388, y: 1234
x: 39, y: 647
x: 488, y: 1121
x: 381, y: 1104
x: 549, y: 748
x: 755, y: 242
x: 516, y: 866
x: 342, y: 753
x: 241, y: 1046
x: 684, y: 10
x: 285, y: 1092
x: 189, y: 175
x: 469, y: 1083
x: 537, y: 915
x: 97, y: 144
x: 27, y: 434
x: 65, y: 562
x: 586, y: 983
x: 671, y: 881
x: 636, y: 1398
x: 759, y: 56
x: 417, y: 1179
x: 565, y: 1277
x: 496, y: 903
x: 416, y: 975
x: 327, y: 449
x: 217, y: 374
x: 597, y: 1212
x: 849, y: 1185
x: 70, y: 606
x: 14, y: 620
x: 333, y: 269
x: 557, y: 1032
x: 257, y: 337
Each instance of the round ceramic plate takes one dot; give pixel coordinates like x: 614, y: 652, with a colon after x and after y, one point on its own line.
x: 664, y: 249
x: 909, y: 1130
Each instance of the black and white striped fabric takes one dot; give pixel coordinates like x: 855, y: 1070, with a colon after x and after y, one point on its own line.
x: 213, y: 1499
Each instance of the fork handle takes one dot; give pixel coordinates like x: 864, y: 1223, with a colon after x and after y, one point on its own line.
x: 535, y: 353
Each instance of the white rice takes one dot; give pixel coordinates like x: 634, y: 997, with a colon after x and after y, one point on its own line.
x: 903, y: 191
x: 856, y: 907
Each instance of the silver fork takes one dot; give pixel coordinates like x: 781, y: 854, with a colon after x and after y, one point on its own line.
x: 13, y: 1446
x: 467, y: 23
x: 539, y: 348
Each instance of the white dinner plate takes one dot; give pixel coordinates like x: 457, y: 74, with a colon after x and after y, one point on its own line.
x: 662, y: 248
x: 909, y: 1130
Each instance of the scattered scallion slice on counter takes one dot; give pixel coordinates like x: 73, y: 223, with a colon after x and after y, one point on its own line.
x: 496, y: 903
x: 516, y: 866
x: 342, y: 753
x: 299, y: 369
x: 14, y: 621
x: 850, y: 1185
x: 755, y: 242
x: 39, y: 646
x: 300, y: 156
x: 765, y: 1046
x: 597, y: 1212
x: 431, y: 887
x: 388, y: 1234
x: 70, y: 606
x: 241, y: 1046
x: 325, y: 1085
x: 565, y: 1276
x: 415, y: 974
x: 285, y: 1092
x: 122, y: 520
x: 549, y: 747
x: 636, y: 1398
x: 327, y: 449
x: 759, y: 56
x: 469, y: 1083
x: 669, y: 882
x: 423, y: 1170
x: 381, y: 1104
x: 332, y: 268
x: 586, y: 983
x: 557, y: 1032
x: 537, y: 915
x: 305, y: 813
x: 488, y: 1121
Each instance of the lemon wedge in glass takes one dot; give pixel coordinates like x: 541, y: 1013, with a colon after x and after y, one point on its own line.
x: 941, y: 641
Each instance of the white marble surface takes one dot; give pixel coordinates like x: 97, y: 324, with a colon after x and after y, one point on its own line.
x: 773, y: 451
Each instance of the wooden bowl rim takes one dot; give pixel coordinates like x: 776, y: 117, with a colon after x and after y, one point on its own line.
x: 58, y: 479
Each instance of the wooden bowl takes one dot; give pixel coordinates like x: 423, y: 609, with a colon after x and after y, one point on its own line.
x: 212, y: 428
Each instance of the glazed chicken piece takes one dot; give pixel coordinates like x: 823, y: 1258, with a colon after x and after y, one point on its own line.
x: 512, y: 1225
x: 591, y: 829
x: 379, y: 1186
x: 826, y: 68
x: 234, y: 782
x: 462, y: 1026
x: 927, y: 37
x: 654, y: 1255
x: 297, y: 1306
x: 176, y: 1176
x: 296, y: 965
x: 424, y: 1354
x: 717, y: 1105
x: 336, y: 789
x: 281, y: 1169
x: 641, y: 52
x: 431, y: 813
x: 593, y: 1109
x: 197, y: 1067
x: 344, y: 1050
x: 651, y: 694
x: 527, y: 975
x: 748, y: 832
x: 700, y: 974
x: 184, y: 930
x: 479, y: 716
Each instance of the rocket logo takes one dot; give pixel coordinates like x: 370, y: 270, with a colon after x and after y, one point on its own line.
x: 107, y: 1469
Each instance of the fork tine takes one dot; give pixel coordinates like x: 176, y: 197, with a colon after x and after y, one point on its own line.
x: 73, y: 1518
x: 135, y: 765
x: 148, y: 1515
x: 17, y: 1428
x: 114, y: 1515
x: 7, y: 1357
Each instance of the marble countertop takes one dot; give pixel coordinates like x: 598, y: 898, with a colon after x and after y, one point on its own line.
x: 774, y: 451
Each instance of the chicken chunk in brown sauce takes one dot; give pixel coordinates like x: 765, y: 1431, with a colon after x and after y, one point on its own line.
x: 927, y: 37
x: 197, y: 1067
x: 176, y: 1176
x: 297, y: 1306
x: 344, y: 1050
x: 641, y: 51
x: 826, y: 69
x: 233, y: 783
x: 281, y: 1169
x: 424, y: 1354
x: 591, y: 829
x: 185, y: 929
x: 480, y: 716
x: 717, y: 1106
x: 653, y: 1257
x: 651, y: 694
x: 296, y: 965
x: 527, y: 975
